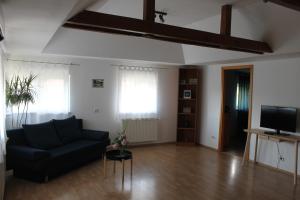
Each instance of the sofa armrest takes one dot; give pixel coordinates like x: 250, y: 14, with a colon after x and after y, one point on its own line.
x: 95, y: 135
x: 26, y: 153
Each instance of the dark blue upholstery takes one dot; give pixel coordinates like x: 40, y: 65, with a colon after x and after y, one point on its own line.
x: 68, y: 129
x: 16, y: 137
x: 42, y: 136
x: 94, y: 135
x: 27, y: 153
x: 35, y: 164
x: 74, y: 147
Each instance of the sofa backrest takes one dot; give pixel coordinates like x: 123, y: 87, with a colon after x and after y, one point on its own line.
x: 80, y: 123
x: 17, y: 136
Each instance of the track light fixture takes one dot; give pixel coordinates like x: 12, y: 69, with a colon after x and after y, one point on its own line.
x: 161, y: 16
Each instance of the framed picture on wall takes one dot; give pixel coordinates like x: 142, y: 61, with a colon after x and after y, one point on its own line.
x: 98, y: 83
x: 187, y: 94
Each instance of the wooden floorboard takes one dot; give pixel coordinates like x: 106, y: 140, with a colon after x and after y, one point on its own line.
x: 161, y: 173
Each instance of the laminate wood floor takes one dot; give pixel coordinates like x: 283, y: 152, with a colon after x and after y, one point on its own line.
x: 162, y: 173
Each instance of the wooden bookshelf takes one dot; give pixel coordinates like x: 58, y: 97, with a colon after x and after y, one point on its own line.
x: 188, y: 98
x: 181, y: 99
x: 186, y: 113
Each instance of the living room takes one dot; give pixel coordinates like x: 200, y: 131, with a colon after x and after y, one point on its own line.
x: 136, y: 94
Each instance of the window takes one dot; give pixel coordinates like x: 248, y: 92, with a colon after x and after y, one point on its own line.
x: 137, y: 96
x: 51, y: 86
x: 242, y: 93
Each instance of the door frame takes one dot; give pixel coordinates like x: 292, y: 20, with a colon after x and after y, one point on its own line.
x: 221, y: 125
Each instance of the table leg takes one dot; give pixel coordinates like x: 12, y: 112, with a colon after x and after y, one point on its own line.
x: 296, y: 163
x: 123, y: 165
x: 247, y: 148
x: 131, y: 162
x: 255, y: 153
x: 104, y: 165
x: 114, y: 167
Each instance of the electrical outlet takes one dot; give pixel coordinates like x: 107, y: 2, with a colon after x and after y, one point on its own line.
x: 281, y: 158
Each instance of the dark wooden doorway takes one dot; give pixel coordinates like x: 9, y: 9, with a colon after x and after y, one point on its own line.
x: 223, y: 126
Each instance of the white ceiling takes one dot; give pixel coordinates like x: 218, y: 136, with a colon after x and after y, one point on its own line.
x: 30, y: 24
x: 34, y: 27
x: 89, y: 44
x: 180, y: 12
x: 274, y: 24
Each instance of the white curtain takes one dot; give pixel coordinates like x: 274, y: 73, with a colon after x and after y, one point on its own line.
x: 137, y: 93
x: 52, y: 87
x: 2, y: 130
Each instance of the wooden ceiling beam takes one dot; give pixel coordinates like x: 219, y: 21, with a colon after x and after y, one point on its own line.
x: 100, y: 22
x: 292, y: 4
x: 226, y: 13
x: 149, y: 10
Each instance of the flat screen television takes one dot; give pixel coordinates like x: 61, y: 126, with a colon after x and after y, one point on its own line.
x: 279, y: 118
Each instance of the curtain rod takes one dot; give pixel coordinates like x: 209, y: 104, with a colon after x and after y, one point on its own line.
x: 72, y: 64
x: 139, y: 66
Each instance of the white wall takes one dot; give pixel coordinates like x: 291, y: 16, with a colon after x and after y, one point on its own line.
x: 276, y: 82
x: 2, y: 165
x: 85, y: 99
x: 74, y: 42
x: 210, y: 106
x: 2, y: 137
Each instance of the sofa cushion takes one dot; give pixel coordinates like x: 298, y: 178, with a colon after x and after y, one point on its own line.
x: 68, y: 129
x: 95, y: 135
x: 21, y: 152
x: 16, y: 137
x: 42, y: 136
x: 74, y: 147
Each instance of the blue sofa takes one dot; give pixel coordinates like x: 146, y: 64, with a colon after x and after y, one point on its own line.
x: 42, y: 151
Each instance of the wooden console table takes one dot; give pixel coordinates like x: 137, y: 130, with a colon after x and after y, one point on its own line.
x: 259, y: 133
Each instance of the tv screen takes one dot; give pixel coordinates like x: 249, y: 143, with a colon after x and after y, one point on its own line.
x: 279, y: 118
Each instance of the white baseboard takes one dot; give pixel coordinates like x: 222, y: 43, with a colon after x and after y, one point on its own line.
x: 151, y: 143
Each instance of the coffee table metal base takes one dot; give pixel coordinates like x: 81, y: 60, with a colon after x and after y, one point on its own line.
x: 116, y: 155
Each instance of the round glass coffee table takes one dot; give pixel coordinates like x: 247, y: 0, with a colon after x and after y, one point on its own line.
x: 118, y: 155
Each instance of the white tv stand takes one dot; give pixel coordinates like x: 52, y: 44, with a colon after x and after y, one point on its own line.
x: 259, y: 133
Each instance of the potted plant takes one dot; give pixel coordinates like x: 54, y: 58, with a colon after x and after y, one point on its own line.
x: 120, y: 142
x: 19, y: 94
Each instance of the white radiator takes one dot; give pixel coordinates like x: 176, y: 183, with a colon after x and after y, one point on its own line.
x: 141, y: 130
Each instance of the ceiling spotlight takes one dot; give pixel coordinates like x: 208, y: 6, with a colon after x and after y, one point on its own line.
x: 161, y: 16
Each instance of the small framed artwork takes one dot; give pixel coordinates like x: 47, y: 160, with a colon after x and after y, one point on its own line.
x: 98, y: 83
x: 187, y: 94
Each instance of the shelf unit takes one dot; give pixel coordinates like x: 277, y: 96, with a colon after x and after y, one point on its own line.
x: 187, y: 115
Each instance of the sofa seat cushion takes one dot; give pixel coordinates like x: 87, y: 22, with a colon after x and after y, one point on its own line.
x: 74, y: 147
x: 42, y: 136
x: 21, y: 152
x: 68, y: 129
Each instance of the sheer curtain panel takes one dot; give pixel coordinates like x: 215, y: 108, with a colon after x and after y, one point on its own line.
x: 51, y: 86
x: 137, y: 93
x: 242, y: 93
